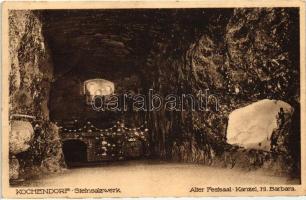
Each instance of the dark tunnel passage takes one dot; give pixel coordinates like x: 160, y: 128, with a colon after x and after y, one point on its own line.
x: 127, y: 49
x: 75, y: 151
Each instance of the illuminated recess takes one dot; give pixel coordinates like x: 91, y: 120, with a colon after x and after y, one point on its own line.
x: 97, y: 87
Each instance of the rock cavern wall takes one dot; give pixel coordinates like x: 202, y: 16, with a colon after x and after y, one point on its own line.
x: 30, y: 77
x: 243, y: 57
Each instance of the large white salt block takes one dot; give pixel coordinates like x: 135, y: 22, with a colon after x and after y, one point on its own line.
x: 251, y: 126
x: 20, y: 136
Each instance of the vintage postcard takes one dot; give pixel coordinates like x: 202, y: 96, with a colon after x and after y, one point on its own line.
x: 153, y: 99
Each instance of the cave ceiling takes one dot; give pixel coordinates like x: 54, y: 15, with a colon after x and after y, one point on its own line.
x: 112, y: 42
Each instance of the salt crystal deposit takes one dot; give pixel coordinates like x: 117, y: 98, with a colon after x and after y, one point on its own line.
x: 252, y: 126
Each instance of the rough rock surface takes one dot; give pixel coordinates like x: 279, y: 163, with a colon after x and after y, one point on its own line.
x: 252, y: 126
x: 30, y: 77
x: 247, y: 56
x: 264, y: 60
x: 14, y: 168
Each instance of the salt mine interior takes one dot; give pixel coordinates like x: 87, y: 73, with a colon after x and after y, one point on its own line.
x: 241, y: 56
x: 116, y: 46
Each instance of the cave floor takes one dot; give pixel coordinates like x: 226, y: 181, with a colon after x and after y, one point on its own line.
x: 146, y: 174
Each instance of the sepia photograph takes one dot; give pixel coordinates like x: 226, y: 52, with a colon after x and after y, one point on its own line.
x: 152, y: 100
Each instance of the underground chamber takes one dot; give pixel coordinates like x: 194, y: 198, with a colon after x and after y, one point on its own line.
x: 83, y: 60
